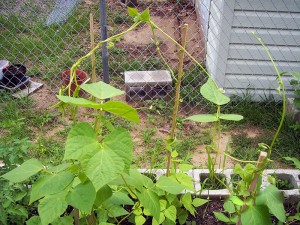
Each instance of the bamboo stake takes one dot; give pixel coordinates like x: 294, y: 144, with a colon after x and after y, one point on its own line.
x: 252, y: 186
x: 92, y: 47
x: 177, y: 95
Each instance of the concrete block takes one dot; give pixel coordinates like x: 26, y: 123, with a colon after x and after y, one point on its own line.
x: 292, y: 176
x: 147, y: 84
x: 200, y: 174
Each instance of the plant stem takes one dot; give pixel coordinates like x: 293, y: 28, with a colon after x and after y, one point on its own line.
x: 112, y: 38
x: 181, y: 48
x: 282, y: 92
x: 159, y: 52
x: 92, y: 46
x: 177, y: 94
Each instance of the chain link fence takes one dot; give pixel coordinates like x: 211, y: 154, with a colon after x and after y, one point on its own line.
x: 48, y: 37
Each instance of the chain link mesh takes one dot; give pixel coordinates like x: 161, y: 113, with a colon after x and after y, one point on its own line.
x: 48, y: 37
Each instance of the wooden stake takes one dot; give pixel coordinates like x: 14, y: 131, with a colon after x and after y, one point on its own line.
x: 177, y: 95
x: 92, y: 47
x: 252, y: 186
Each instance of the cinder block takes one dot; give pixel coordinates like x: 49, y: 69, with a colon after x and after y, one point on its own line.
x: 292, y: 176
x: 211, y: 194
x: 147, y: 84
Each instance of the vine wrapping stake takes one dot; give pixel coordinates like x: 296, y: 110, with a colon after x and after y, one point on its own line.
x: 252, y: 186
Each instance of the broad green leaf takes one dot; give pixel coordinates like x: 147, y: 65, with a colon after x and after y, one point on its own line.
x: 66, y: 220
x: 82, y: 139
x: 24, y: 171
x: 185, y: 180
x: 120, y: 142
x: 138, y: 211
x: 115, y: 210
x: 185, y: 167
x: 203, y: 118
x: 272, y: 198
x: 132, y: 12
x: 150, y: 201
x: 256, y: 215
x: 102, y: 215
x: 104, y: 163
x: 139, y: 220
x: 212, y: 93
x: 163, y: 204
x: 103, y: 167
x: 168, y: 222
x: 145, y: 15
x: 50, y: 208
x: 221, y: 217
x: 160, y: 221
x: 236, y: 200
x: 59, y: 168
x: 197, y: 202
x: 229, y: 207
x: 296, y: 217
x: 120, y: 198
x: 35, y: 220
x: 248, y: 172
x: 103, y: 194
x: 82, y: 197
x: 294, y: 160
x: 170, y: 213
x: 101, y: 90
x: 79, y: 102
x: 169, y: 185
x: 187, y: 202
x: 232, y: 117
x: 295, y: 74
x: 122, y: 109
x: 238, y: 169
x: 138, y: 180
x: 182, y: 216
x: 104, y: 223
x: 50, y: 184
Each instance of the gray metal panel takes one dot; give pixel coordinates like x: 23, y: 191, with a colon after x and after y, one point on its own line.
x: 257, y: 52
x: 269, y: 37
x: 220, y: 22
x: 256, y: 95
x: 259, y: 67
x: 271, y: 20
x: 269, y: 5
x: 255, y: 81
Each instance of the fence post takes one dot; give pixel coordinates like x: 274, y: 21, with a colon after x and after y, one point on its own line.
x: 103, y: 37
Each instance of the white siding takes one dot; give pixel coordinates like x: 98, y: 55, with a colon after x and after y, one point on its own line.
x: 235, y: 58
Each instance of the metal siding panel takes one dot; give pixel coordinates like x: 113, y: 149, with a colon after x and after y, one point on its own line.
x: 259, y: 67
x: 269, y: 37
x: 256, y: 95
x: 257, y: 52
x: 270, y: 20
x: 269, y: 5
x: 255, y: 82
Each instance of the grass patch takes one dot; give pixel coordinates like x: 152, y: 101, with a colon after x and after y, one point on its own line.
x: 266, y: 116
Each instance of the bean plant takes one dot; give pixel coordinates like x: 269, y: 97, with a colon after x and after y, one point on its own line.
x: 95, y: 183
x: 295, y: 82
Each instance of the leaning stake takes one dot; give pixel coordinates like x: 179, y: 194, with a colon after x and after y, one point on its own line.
x: 252, y: 187
x: 177, y: 93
